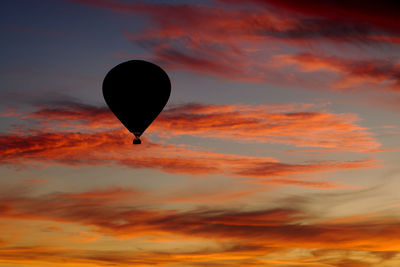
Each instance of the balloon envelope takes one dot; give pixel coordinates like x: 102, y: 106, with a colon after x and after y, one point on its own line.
x: 136, y: 91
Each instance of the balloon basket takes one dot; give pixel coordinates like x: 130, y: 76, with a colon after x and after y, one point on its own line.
x: 137, y: 141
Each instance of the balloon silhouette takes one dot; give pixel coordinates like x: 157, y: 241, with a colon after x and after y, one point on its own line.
x: 136, y: 91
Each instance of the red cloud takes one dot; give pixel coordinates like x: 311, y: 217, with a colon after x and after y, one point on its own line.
x: 354, y: 72
x: 292, y: 124
x: 76, y: 116
x: 10, y: 112
x: 236, y: 40
x: 98, y: 144
x: 316, y: 20
x: 109, y: 148
x: 382, y: 15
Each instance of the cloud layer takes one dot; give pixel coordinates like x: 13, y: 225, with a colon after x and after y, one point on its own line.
x: 300, y: 125
x: 74, y: 134
x: 247, y: 37
x: 265, y: 185
x: 242, y: 237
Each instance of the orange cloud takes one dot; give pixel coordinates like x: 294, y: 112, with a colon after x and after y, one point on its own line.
x: 74, y: 135
x: 234, y: 255
x: 223, y: 236
x: 353, y: 72
x: 114, y: 148
x: 281, y: 228
x: 309, y: 184
x: 302, y: 128
x: 295, y: 124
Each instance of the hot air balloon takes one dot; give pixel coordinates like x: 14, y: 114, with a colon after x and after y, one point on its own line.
x: 136, y: 91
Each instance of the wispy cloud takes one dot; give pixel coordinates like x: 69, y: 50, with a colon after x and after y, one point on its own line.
x: 381, y: 16
x: 258, y: 19
x: 296, y: 125
x: 235, y: 255
x: 261, y: 232
x: 300, y: 125
x: 109, y: 148
x: 82, y: 135
x: 244, y: 37
x: 385, y: 73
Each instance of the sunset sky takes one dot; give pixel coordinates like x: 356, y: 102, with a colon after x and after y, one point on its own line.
x: 279, y: 145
